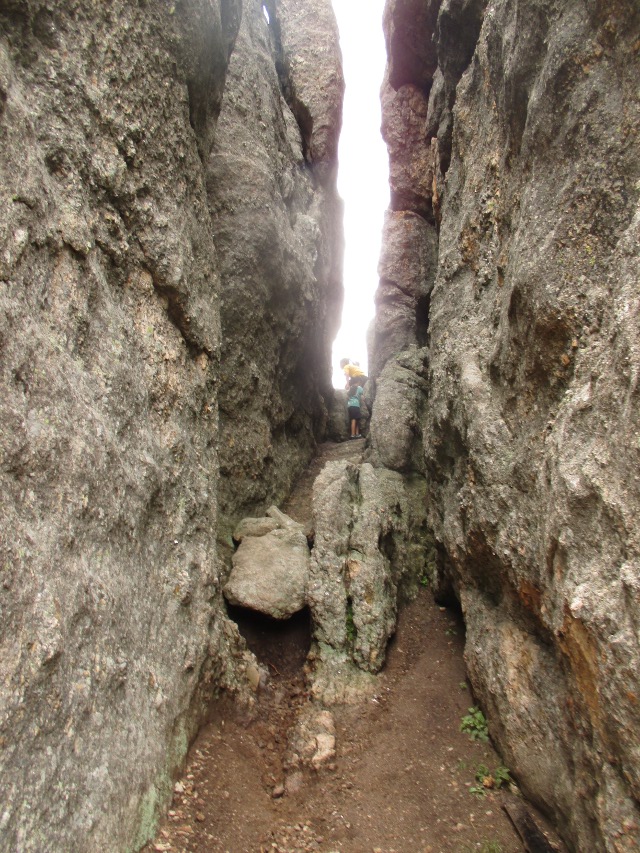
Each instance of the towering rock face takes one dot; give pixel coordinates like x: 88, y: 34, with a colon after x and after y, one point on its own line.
x: 112, y: 624
x: 276, y: 215
x: 513, y: 134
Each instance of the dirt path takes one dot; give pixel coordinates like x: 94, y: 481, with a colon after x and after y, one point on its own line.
x: 403, y: 773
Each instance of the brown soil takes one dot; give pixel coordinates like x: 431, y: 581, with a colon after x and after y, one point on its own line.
x: 403, y: 772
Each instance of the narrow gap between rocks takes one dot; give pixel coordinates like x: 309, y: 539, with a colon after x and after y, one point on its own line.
x: 391, y: 773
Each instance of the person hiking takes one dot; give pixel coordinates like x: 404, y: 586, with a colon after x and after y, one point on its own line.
x: 352, y: 370
x: 353, y: 407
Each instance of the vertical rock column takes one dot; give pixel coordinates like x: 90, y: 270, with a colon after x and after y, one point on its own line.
x: 531, y: 431
x: 407, y: 268
x: 277, y: 225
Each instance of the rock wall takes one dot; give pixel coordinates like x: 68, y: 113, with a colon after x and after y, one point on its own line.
x: 512, y: 131
x: 277, y: 224
x: 112, y: 628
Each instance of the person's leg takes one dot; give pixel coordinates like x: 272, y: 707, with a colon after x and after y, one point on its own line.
x: 353, y: 414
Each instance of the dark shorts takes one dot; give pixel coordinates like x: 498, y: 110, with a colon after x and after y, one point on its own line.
x: 361, y: 380
x: 354, y: 413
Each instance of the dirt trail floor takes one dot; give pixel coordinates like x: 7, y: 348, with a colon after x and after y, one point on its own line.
x: 404, y: 775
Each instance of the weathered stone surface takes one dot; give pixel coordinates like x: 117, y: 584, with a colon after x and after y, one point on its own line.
x: 312, y: 742
x: 396, y: 426
x: 404, y: 129
x: 530, y: 420
x: 363, y: 561
x: 109, y: 335
x: 277, y: 226
x: 408, y: 27
x: 407, y: 271
x: 338, y: 423
x: 271, y: 570
x: 112, y: 626
x: 254, y: 527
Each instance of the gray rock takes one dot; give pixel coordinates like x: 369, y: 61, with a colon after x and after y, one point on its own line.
x: 529, y: 418
x: 363, y: 562
x: 404, y: 129
x: 270, y: 571
x: 117, y: 242
x: 396, y: 424
x: 110, y: 332
x: 313, y: 739
x: 277, y: 228
x: 254, y: 527
x: 338, y: 423
x: 407, y: 269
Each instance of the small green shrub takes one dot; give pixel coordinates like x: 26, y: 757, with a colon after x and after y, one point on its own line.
x: 475, y: 725
x: 491, y: 847
x: 488, y: 780
x: 502, y: 776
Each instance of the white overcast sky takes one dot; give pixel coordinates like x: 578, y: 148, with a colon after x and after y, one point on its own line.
x: 363, y: 172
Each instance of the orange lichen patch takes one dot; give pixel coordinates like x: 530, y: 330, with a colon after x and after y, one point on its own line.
x: 354, y: 567
x: 469, y: 247
x: 578, y: 645
x: 556, y: 560
x: 530, y: 596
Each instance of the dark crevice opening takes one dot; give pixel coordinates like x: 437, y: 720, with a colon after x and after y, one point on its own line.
x: 422, y: 320
x: 281, y: 645
x: 300, y: 111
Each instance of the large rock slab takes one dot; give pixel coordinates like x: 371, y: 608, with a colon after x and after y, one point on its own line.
x: 396, y: 439
x: 112, y: 634
x: 407, y: 269
x: 270, y: 571
x: 113, y: 630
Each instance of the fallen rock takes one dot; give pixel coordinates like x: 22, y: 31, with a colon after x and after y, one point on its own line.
x: 270, y: 571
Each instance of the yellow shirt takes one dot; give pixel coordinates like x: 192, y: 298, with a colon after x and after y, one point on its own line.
x: 352, y: 370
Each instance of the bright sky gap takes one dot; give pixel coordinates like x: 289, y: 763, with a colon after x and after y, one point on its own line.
x: 363, y: 172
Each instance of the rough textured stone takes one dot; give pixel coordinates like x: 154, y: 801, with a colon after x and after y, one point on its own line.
x: 338, y: 423
x: 407, y: 271
x: 530, y: 418
x: 363, y: 562
x: 271, y: 571
x: 404, y: 129
x: 396, y: 426
x: 109, y: 336
x: 112, y: 622
x: 254, y: 527
x: 312, y: 741
x: 277, y: 228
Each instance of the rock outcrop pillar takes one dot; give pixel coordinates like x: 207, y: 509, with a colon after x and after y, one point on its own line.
x: 526, y: 160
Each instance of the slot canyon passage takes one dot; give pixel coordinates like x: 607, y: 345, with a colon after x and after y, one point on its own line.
x: 223, y: 626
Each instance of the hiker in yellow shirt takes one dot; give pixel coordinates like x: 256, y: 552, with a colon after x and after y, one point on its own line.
x: 352, y: 371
